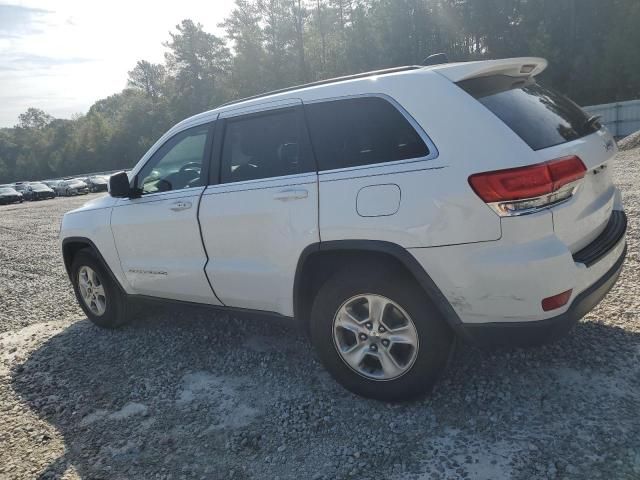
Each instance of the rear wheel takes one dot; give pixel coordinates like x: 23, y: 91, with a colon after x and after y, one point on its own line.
x: 98, y: 295
x: 377, y: 333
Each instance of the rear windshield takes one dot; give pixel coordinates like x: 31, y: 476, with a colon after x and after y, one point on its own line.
x: 540, y: 116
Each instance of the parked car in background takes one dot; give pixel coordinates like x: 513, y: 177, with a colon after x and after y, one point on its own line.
x: 52, y: 184
x: 23, y: 189
x: 59, y: 187
x: 10, y: 195
x: 97, y: 183
x: 72, y: 186
x: 34, y: 190
x: 40, y: 191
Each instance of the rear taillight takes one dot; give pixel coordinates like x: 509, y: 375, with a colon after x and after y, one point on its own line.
x: 516, y: 191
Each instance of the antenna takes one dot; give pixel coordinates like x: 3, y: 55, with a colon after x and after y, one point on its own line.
x: 435, y: 59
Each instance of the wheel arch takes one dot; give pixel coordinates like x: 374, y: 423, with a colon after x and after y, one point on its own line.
x: 319, y: 260
x: 72, y: 245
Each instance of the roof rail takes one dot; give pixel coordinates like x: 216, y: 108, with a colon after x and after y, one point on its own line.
x: 326, y: 82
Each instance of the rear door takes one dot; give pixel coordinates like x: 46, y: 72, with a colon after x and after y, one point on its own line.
x: 263, y: 210
x: 157, y: 235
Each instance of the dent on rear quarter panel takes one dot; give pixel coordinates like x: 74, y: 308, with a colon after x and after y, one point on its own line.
x: 506, y: 280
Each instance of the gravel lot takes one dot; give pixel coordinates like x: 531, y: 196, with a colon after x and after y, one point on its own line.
x: 192, y: 394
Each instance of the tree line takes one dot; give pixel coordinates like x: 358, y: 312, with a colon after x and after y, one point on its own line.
x: 269, y: 44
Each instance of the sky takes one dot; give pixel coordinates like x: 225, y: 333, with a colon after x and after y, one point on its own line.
x: 63, y: 55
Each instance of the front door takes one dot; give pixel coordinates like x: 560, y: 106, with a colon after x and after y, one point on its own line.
x: 157, y: 235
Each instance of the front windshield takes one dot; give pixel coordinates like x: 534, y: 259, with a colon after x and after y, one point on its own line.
x: 7, y: 190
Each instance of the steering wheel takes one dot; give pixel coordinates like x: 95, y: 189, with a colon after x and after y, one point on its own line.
x: 190, y: 166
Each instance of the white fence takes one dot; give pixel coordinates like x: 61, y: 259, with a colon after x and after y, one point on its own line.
x: 622, y: 118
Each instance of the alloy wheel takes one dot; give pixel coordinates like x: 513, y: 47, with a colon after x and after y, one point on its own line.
x: 375, y: 337
x: 92, y: 290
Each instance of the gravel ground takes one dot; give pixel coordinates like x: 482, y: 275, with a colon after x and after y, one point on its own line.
x: 191, y: 394
x: 630, y: 142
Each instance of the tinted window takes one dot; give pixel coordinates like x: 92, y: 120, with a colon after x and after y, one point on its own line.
x: 177, y: 164
x: 540, y: 116
x: 361, y: 131
x: 265, y: 145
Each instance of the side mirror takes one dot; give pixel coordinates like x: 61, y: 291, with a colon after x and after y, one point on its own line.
x: 119, y: 185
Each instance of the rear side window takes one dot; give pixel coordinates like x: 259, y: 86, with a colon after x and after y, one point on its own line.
x: 265, y: 145
x: 361, y: 131
x: 540, y: 116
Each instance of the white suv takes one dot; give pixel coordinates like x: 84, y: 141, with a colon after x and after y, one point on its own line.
x: 387, y: 213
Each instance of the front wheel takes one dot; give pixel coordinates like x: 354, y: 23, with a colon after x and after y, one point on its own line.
x: 97, y: 293
x: 378, y: 334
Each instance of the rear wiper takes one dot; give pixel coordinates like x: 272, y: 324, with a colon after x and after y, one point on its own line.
x: 592, y: 121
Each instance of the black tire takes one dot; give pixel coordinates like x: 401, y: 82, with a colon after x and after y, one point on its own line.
x: 116, y: 312
x: 435, y: 340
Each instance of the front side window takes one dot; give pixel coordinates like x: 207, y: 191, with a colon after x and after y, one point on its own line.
x: 361, y: 131
x: 265, y: 145
x: 177, y: 164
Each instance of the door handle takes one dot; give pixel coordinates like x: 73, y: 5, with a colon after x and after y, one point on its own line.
x: 178, y: 206
x: 291, y: 194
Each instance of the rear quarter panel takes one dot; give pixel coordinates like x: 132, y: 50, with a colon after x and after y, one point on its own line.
x: 437, y: 205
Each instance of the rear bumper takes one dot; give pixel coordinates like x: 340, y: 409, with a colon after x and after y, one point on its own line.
x: 496, y: 288
x: 541, y: 331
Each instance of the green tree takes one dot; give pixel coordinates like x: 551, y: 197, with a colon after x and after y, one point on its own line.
x: 149, y: 78
x: 248, y: 64
x: 34, y: 118
x: 199, y: 63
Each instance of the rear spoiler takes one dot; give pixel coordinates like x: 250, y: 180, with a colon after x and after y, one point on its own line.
x: 512, y: 67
